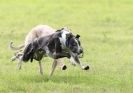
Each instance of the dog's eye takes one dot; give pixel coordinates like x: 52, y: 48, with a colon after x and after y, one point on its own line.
x: 74, y: 44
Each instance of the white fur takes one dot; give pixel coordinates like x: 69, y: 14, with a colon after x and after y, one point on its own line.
x: 63, y: 37
x: 78, y: 45
x: 37, y: 32
x: 73, y: 61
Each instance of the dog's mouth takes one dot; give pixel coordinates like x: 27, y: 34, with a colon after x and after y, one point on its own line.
x: 81, y: 55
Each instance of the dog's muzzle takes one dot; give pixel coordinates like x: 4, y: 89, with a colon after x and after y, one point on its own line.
x: 81, y: 53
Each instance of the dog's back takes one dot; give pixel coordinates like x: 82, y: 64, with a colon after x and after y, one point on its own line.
x: 38, y: 31
x: 44, y: 43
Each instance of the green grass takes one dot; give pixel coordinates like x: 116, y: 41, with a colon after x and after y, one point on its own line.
x: 106, y: 29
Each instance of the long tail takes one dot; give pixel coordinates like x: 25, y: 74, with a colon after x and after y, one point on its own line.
x: 15, y: 48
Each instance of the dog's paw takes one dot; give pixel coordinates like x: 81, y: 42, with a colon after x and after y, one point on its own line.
x: 64, y: 67
x: 85, y: 67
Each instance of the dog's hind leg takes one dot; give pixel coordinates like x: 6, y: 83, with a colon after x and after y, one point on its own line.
x: 19, y: 65
x: 13, y: 58
x: 40, y: 68
x: 20, y: 62
x: 53, y: 67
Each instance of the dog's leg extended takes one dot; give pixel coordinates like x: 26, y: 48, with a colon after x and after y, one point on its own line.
x: 72, y: 61
x: 75, y: 60
x: 20, y: 62
x: 40, y: 68
x: 13, y: 58
x: 19, y: 65
x: 59, y: 62
x: 53, y: 68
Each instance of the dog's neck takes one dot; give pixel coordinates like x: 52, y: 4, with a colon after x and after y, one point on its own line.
x: 63, y: 38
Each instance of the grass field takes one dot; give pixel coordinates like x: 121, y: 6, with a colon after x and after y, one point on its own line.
x: 106, y: 29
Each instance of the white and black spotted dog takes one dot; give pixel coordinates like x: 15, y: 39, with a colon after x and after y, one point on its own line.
x: 58, y: 45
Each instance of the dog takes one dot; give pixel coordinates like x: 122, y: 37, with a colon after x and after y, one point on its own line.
x: 60, y: 44
x: 36, y: 32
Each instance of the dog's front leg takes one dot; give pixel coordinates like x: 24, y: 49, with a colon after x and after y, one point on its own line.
x: 72, y: 61
x: 40, y: 68
x: 53, y: 68
x: 75, y: 60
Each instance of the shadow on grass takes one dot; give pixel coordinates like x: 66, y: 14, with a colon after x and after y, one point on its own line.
x: 69, y: 79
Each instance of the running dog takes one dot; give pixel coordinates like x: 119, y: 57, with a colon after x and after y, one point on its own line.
x: 36, y: 32
x: 58, y: 45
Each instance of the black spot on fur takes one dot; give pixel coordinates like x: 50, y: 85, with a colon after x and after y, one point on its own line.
x: 86, y: 68
x: 55, y: 45
x: 77, y: 36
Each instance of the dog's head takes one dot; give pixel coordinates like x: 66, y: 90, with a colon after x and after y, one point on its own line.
x: 70, y: 41
x: 74, y: 44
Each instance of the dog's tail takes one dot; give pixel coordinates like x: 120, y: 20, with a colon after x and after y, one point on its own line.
x: 15, y: 48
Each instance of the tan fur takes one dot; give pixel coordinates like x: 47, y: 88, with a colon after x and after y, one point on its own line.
x: 36, y: 32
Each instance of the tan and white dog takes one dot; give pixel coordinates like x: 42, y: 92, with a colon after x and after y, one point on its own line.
x: 37, y: 32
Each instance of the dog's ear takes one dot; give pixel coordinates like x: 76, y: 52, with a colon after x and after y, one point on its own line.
x: 77, y: 36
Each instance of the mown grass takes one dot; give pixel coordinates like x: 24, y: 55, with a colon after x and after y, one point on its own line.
x: 106, y: 32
